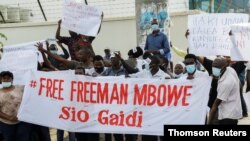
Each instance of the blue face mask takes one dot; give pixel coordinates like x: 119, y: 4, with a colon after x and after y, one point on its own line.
x: 216, y: 71
x: 155, y: 27
x: 6, y: 84
x: 190, y: 68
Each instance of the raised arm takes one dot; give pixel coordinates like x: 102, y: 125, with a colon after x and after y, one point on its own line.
x: 48, y: 63
x: 56, y: 57
x: 58, y: 31
x: 65, y: 52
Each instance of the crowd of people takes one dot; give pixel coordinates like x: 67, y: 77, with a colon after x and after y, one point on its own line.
x: 226, y: 100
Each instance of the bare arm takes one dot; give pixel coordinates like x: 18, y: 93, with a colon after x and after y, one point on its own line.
x: 65, y: 52
x: 58, y: 31
x: 213, y: 111
x: 56, y: 57
x: 200, y: 59
x: 47, y: 62
x: 128, y: 68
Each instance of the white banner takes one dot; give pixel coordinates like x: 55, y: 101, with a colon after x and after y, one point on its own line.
x: 19, y: 59
x: 81, y: 18
x: 112, y: 105
x: 241, y: 42
x: 209, y: 33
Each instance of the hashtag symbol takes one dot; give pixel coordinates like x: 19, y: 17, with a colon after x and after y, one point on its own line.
x: 32, y: 84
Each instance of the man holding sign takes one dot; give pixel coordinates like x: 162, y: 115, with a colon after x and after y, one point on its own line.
x: 83, y: 22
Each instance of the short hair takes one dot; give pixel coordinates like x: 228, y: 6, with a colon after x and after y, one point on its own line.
x: 191, y: 56
x: 6, y: 73
x: 98, y: 58
x: 155, y: 59
x: 154, y: 21
x: 147, y: 55
x: 106, y: 49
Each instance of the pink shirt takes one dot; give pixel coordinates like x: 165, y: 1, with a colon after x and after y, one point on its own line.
x: 10, y: 102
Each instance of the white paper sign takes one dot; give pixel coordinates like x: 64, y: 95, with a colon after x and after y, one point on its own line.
x: 209, y: 33
x: 113, y: 104
x: 19, y: 59
x: 81, y: 18
x: 241, y: 42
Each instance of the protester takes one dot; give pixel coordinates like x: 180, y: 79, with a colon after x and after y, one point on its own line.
x: 98, y: 69
x: 79, y: 70
x: 107, y: 54
x: 83, y: 136
x: 239, y: 67
x: 179, y: 70
x: 133, y: 58
x: 83, y: 58
x: 10, y: 100
x: 74, y: 42
x: 191, y: 67
x: 157, y: 42
x: 119, y: 66
x: 228, y: 101
x: 54, y: 50
x: 153, y: 72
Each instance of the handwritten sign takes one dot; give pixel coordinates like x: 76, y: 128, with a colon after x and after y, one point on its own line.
x: 81, y: 18
x: 114, y: 105
x: 19, y: 59
x: 209, y: 33
x: 241, y: 41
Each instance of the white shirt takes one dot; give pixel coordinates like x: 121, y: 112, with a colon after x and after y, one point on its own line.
x: 147, y: 74
x: 229, y: 92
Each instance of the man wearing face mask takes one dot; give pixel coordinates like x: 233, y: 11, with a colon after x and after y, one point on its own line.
x: 54, y: 50
x: 227, y: 103
x: 157, y: 42
x: 191, y: 65
x: 98, y: 67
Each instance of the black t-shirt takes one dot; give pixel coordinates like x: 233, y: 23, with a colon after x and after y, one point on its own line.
x: 213, y: 90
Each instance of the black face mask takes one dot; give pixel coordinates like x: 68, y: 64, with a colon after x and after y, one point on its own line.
x: 99, y: 70
x: 162, y: 68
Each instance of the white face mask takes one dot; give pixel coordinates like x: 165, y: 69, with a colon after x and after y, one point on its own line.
x: 6, y: 84
x: 178, y: 75
x: 53, y: 51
